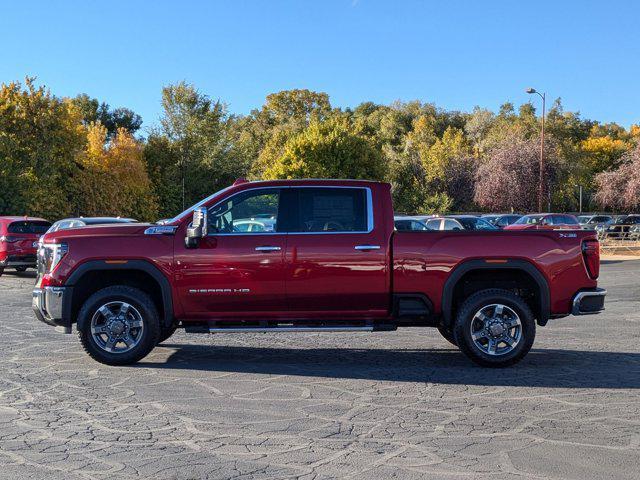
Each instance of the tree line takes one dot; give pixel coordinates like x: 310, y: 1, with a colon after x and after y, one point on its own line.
x: 78, y: 156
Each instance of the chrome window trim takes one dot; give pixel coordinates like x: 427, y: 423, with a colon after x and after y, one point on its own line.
x: 370, y: 220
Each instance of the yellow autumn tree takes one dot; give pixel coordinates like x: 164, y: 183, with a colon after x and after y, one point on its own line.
x: 114, y: 180
x: 602, y: 153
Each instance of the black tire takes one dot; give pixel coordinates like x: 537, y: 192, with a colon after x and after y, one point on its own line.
x: 166, y: 332
x: 447, y: 334
x: 141, y: 302
x: 1, y: 271
x: 21, y: 269
x: 485, y: 298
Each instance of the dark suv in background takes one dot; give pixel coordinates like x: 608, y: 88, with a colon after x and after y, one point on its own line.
x: 622, y: 226
x: 502, y: 220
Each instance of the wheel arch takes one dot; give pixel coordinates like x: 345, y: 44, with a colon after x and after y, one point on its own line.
x: 516, y: 268
x: 94, y: 275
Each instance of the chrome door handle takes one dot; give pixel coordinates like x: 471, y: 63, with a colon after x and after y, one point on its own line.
x: 268, y: 248
x: 367, y: 247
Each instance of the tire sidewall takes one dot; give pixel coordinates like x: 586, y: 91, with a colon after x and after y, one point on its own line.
x: 139, y: 300
x: 472, y: 305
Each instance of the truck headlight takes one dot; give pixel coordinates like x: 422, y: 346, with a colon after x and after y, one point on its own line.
x: 50, y: 255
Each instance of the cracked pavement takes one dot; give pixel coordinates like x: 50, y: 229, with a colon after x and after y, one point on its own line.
x: 318, y: 406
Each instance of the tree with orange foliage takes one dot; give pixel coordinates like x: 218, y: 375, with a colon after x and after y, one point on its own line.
x: 114, y: 180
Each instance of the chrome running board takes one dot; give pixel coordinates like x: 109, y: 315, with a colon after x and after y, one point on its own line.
x: 368, y: 328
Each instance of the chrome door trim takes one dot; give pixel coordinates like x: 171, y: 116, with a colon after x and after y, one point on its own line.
x: 367, y: 247
x: 268, y: 248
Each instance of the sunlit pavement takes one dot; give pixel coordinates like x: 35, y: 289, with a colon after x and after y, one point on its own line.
x: 314, y: 406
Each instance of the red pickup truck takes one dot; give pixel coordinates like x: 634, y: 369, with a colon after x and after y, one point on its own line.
x: 310, y: 255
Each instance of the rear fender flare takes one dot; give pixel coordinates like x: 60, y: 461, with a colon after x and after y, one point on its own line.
x: 511, y: 264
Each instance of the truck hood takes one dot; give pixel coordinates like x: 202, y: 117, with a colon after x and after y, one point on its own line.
x: 110, y: 230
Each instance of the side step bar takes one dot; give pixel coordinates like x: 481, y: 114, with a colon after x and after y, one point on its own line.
x: 288, y: 328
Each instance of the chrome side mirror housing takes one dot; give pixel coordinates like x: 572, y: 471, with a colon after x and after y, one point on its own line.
x: 198, y: 229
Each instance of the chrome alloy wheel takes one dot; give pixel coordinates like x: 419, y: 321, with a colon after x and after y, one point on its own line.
x: 117, y: 327
x: 496, y: 329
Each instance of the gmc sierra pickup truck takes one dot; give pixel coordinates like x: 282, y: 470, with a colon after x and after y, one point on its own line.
x: 310, y: 255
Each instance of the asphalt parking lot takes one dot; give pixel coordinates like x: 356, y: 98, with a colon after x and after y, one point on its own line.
x: 317, y: 406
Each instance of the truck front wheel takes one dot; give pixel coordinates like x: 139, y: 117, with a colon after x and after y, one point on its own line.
x: 118, y: 325
x: 495, y: 328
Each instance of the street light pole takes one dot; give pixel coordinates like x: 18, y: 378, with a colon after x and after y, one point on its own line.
x: 541, y: 179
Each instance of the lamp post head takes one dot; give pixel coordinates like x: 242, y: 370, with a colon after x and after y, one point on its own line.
x: 531, y: 90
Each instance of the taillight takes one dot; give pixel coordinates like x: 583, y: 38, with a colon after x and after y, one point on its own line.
x: 591, y: 255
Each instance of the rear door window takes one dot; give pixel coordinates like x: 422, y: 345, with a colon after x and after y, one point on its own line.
x: 330, y: 210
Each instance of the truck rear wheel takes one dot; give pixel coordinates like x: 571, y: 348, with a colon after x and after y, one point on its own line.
x: 495, y: 328
x: 118, y: 325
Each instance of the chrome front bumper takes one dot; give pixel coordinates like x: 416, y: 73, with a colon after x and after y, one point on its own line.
x: 48, y: 305
x: 588, y: 302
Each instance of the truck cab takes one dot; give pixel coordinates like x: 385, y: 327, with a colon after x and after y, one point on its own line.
x: 309, y: 255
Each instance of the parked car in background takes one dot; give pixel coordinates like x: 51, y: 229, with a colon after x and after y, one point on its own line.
x: 459, y: 222
x: 256, y: 224
x: 406, y: 224
x: 622, y: 226
x: 80, y: 222
x: 334, y: 263
x: 19, y: 241
x: 545, y: 221
x: 502, y: 220
x: 592, y: 222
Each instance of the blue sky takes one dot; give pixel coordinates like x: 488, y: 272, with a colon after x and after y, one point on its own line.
x: 455, y: 53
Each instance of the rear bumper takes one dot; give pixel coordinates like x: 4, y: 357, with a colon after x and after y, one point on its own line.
x: 18, y: 261
x: 50, y: 304
x: 588, y: 302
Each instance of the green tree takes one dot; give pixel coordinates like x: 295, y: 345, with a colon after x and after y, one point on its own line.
x: 283, y: 115
x: 329, y: 149
x: 195, y: 132
x: 93, y: 111
x: 41, y: 137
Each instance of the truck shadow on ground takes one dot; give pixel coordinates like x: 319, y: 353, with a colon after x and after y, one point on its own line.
x: 541, y: 368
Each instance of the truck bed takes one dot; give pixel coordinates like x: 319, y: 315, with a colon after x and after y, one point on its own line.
x: 424, y: 261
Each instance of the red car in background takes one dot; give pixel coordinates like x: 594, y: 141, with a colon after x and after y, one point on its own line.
x: 546, y: 221
x: 19, y: 241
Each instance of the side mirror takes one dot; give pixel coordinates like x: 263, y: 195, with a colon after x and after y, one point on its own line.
x: 198, y: 228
